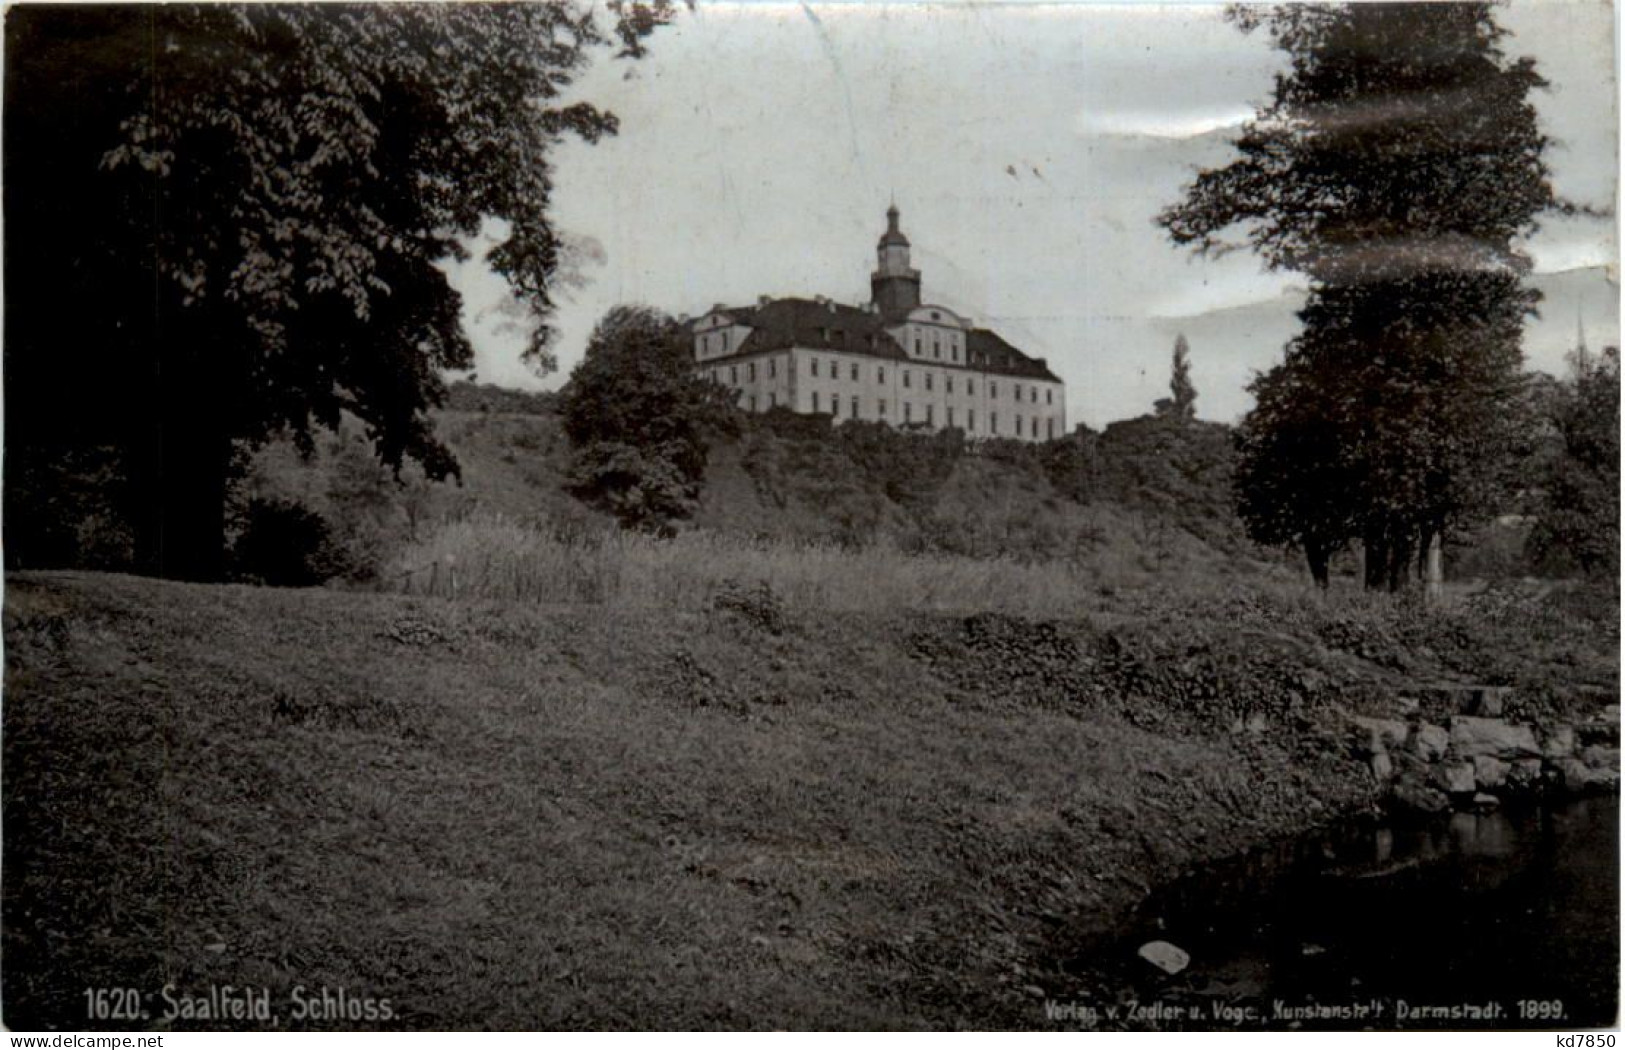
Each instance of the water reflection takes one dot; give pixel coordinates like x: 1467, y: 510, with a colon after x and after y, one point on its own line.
x: 1494, y: 906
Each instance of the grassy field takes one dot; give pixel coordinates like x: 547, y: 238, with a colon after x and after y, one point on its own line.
x: 490, y: 556
x: 707, y: 808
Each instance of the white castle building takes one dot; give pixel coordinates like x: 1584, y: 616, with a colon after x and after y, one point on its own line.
x: 894, y: 359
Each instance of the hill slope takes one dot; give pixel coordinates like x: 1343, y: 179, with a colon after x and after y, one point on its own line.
x: 1149, y: 495
x: 500, y: 816
x: 513, y: 815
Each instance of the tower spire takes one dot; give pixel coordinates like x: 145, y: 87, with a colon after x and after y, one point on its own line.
x: 894, y: 284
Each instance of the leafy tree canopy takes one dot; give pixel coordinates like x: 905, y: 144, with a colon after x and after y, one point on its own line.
x: 1577, y: 505
x: 226, y: 221
x: 1398, y: 166
x: 637, y: 414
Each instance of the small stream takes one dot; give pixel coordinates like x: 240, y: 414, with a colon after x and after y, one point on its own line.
x: 1508, y: 919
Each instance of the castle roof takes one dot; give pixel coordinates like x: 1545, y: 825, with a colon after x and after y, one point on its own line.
x: 821, y: 324
x: 779, y: 324
x: 991, y: 353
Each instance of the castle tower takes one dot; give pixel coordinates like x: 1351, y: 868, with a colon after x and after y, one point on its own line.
x: 894, y: 287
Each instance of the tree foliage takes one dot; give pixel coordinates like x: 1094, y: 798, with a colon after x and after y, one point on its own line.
x: 1577, y: 511
x: 638, y: 413
x: 1398, y: 165
x: 226, y: 222
x: 1182, y: 403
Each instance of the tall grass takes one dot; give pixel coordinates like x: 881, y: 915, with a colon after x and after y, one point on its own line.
x: 493, y: 557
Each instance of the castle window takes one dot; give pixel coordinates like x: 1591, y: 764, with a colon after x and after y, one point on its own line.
x: 1049, y: 396
x: 970, y: 420
x: 753, y: 402
x: 714, y: 377
x: 880, y: 377
x: 827, y: 337
x: 1018, y: 392
x: 814, y: 362
x: 854, y: 406
x: 1035, y: 426
x: 1034, y: 398
x: 882, y: 408
x: 724, y: 342
x: 950, y: 415
x: 917, y: 350
x: 936, y: 349
x: 750, y: 371
x: 1018, y: 426
x: 928, y: 380
x: 854, y: 371
x: 1049, y: 427
x: 992, y: 390
x: 992, y: 422
x: 950, y: 384
x: 733, y: 374
x: 908, y: 412
x: 970, y: 386
x: 835, y: 405
x: 906, y: 378
x: 815, y: 400
x: 930, y: 415
x: 772, y: 367
x: 772, y: 399
x: 953, y: 352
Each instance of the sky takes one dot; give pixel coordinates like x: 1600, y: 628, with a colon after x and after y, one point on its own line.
x: 1029, y: 147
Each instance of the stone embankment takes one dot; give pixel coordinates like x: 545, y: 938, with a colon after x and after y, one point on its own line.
x: 1463, y: 747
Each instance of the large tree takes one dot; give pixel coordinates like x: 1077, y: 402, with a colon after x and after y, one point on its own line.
x: 1397, y: 166
x: 224, y: 221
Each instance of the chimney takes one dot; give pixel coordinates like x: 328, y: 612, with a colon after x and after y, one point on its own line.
x: 763, y: 300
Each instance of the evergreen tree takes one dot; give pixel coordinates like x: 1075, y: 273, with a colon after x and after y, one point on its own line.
x: 1396, y: 167
x: 1182, y: 405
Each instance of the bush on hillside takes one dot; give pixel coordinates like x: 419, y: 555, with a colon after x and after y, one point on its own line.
x: 285, y: 544
x: 466, y: 396
x: 637, y: 416
x: 69, y: 511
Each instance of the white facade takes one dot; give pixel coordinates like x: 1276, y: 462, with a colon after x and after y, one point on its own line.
x: 923, y: 365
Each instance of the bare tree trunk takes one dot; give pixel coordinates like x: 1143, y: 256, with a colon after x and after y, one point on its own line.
x: 1430, y: 566
x: 1376, y: 558
x: 1319, y: 559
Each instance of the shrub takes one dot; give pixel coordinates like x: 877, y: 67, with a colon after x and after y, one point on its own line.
x: 637, y: 416
x: 285, y: 544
